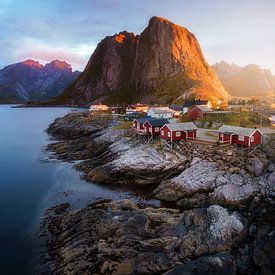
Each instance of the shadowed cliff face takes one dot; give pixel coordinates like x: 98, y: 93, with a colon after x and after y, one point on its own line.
x: 163, y: 64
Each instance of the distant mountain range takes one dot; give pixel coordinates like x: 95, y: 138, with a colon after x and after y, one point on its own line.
x: 30, y: 81
x: 247, y: 81
x: 163, y: 64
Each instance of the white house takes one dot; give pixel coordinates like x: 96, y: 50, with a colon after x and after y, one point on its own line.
x: 161, y: 112
x: 137, y: 108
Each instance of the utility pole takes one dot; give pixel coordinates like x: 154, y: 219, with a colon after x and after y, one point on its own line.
x: 261, y: 121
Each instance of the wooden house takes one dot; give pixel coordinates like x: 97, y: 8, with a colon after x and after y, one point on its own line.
x: 138, y: 124
x: 161, y: 112
x: 177, y: 110
x: 178, y: 131
x: 240, y: 135
x: 189, y: 104
x: 141, y: 108
x: 152, y: 125
x: 198, y: 111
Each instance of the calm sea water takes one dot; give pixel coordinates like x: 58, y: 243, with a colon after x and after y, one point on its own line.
x: 29, y: 184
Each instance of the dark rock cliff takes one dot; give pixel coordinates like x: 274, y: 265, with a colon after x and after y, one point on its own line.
x: 163, y: 64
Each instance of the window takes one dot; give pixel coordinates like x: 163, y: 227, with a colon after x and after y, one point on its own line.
x: 162, y: 133
x: 252, y: 139
x: 157, y: 129
x: 221, y: 136
x: 169, y: 134
x: 241, y: 137
x: 177, y: 134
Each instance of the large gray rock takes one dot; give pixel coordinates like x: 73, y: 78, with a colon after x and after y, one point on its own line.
x: 206, y: 182
x: 121, y: 238
x: 198, y: 178
x: 257, y: 166
x: 271, y: 178
x: 222, y: 263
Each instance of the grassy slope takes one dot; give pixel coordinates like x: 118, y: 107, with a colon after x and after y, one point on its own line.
x: 244, y: 119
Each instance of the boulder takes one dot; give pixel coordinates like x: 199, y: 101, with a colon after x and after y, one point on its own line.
x: 222, y: 263
x: 271, y: 178
x: 122, y: 238
x: 257, y: 166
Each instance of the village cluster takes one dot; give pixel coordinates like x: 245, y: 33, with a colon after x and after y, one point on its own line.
x: 161, y: 122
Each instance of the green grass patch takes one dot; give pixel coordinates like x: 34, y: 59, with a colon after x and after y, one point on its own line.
x: 123, y: 126
x: 243, y: 119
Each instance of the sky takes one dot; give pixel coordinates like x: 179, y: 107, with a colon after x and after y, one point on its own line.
x: 236, y: 31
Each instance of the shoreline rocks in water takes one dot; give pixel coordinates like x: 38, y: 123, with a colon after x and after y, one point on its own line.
x: 77, y: 124
x: 116, y: 237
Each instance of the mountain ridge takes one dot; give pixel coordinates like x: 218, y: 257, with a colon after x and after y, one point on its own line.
x: 246, y: 81
x: 29, y: 80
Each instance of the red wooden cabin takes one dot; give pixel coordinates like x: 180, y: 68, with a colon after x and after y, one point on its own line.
x: 152, y: 126
x: 138, y: 124
x: 178, y: 131
x: 198, y: 111
x: 240, y: 135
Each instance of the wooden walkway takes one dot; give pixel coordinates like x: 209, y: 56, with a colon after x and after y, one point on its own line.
x: 208, y: 142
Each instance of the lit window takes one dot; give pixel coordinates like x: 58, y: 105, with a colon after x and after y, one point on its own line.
x: 177, y: 134
x: 157, y: 129
x: 169, y: 134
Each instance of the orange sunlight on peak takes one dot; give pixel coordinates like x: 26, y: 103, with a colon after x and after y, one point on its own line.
x: 120, y: 38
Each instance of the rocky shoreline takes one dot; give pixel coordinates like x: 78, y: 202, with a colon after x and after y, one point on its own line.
x: 216, y: 189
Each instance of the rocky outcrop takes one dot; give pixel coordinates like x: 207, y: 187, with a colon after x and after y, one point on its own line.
x: 125, y: 238
x: 77, y: 125
x: 191, y: 175
x: 131, y: 163
x: 269, y: 146
x: 207, y: 181
x: 29, y: 80
x: 250, y: 80
x: 109, y: 155
x: 162, y: 64
x: 122, y: 238
x: 221, y: 263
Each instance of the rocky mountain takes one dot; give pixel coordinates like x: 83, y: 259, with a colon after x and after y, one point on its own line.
x: 161, y: 65
x: 29, y: 80
x: 250, y: 80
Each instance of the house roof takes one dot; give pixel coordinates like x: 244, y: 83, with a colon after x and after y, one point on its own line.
x: 241, y: 131
x: 158, y: 121
x: 161, y: 110
x: 177, y: 108
x: 195, y: 102
x: 141, y: 120
x: 204, y: 108
x: 134, y: 106
x: 184, y: 126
